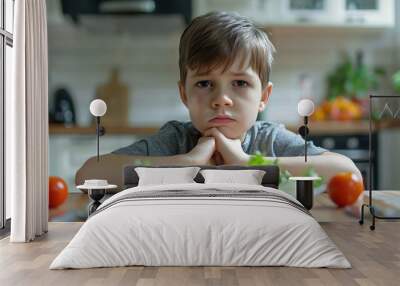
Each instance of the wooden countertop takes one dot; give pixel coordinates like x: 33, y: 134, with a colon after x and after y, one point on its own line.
x: 316, y: 128
x: 59, y: 129
x: 334, y: 127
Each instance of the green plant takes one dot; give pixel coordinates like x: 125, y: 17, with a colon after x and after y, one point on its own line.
x: 396, y: 81
x: 310, y: 172
x: 353, y: 79
x: 258, y: 159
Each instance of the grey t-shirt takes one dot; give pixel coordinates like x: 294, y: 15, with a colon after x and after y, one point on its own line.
x: 174, y: 137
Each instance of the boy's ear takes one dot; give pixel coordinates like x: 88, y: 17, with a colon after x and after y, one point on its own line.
x: 182, y: 92
x: 266, y: 93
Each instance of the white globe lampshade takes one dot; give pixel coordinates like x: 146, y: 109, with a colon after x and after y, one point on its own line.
x: 305, y: 107
x: 98, y: 107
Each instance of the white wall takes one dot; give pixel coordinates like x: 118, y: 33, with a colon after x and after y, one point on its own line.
x: 81, y: 60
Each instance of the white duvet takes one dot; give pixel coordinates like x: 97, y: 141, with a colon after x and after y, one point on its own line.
x: 206, y: 230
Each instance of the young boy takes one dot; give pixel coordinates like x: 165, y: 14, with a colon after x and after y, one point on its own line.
x: 225, y: 64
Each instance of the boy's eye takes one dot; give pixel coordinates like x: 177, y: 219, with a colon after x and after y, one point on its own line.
x: 204, y: 84
x: 240, y: 83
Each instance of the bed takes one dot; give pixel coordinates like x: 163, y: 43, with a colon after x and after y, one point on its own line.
x: 201, y: 224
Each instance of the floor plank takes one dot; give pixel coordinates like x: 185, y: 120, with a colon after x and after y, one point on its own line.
x: 375, y: 257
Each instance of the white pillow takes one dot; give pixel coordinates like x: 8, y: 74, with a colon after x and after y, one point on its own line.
x: 249, y: 177
x: 162, y: 176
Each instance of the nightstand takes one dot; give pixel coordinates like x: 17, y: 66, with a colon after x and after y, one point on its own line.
x: 96, y: 190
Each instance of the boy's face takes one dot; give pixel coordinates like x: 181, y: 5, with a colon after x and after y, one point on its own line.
x: 228, y: 100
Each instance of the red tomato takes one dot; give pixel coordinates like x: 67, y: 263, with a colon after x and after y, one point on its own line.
x: 344, y: 188
x: 58, y: 191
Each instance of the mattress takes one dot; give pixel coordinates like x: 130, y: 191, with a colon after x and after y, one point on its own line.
x: 201, y: 225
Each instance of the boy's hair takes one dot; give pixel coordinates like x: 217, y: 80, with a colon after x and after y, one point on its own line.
x: 217, y: 38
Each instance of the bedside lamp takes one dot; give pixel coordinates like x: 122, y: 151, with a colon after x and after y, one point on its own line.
x: 304, y: 185
x: 305, y: 108
x: 96, y: 188
x: 98, y: 108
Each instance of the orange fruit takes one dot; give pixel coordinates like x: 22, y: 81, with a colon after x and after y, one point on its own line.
x: 326, y: 106
x: 319, y: 114
x: 344, y: 188
x: 58, y: 191
x: 344, y: 109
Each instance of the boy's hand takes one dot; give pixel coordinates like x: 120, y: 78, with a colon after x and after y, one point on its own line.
x: 203, y: 152
x: 229, y: 149
x: 217, y: 159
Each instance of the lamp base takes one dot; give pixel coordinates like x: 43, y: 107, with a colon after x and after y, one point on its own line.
x: 305, y: 190
x: 96, y: 195
x: 305, y: 193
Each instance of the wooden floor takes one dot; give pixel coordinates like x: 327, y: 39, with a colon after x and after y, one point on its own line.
x: 374, y: 255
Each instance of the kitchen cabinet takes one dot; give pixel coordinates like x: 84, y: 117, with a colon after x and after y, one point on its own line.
x: 369, y: 12
x: 257, y: 10
x: 389, y: 159
x: 308, y: 13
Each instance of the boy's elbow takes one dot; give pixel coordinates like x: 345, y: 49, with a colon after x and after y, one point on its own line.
x: 347, y: 165
x: 353, y: 168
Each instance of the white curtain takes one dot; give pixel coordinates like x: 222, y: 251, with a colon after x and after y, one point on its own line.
x: 27, y: 123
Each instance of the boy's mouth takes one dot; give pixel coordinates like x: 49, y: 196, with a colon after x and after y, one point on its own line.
x: 221, y: 119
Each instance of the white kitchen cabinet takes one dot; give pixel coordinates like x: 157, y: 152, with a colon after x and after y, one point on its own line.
x: 257, y: 10
x: 370, y: 12
x: 330, y: 13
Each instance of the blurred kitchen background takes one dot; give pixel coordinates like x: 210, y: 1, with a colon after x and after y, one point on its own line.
x: 335, y: 52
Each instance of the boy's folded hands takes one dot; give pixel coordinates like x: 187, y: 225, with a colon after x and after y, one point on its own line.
x: 214, y: 148
x: 203, y: 152
x: 226, y: 151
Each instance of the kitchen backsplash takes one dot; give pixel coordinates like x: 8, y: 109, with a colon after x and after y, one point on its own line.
x: 81, y: 59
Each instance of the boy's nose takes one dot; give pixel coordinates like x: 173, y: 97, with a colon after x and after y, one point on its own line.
x: 221, y: 100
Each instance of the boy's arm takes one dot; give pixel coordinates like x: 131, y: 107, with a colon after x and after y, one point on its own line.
x: 326, y: 165
x: 110, y: 166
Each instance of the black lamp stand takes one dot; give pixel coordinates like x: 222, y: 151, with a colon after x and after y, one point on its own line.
x: 305, y: 193
x: 304, y: 187
x: 96, y: 195
x: 304, y: 131
x: 370, y: 205
x: 100, y: 131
